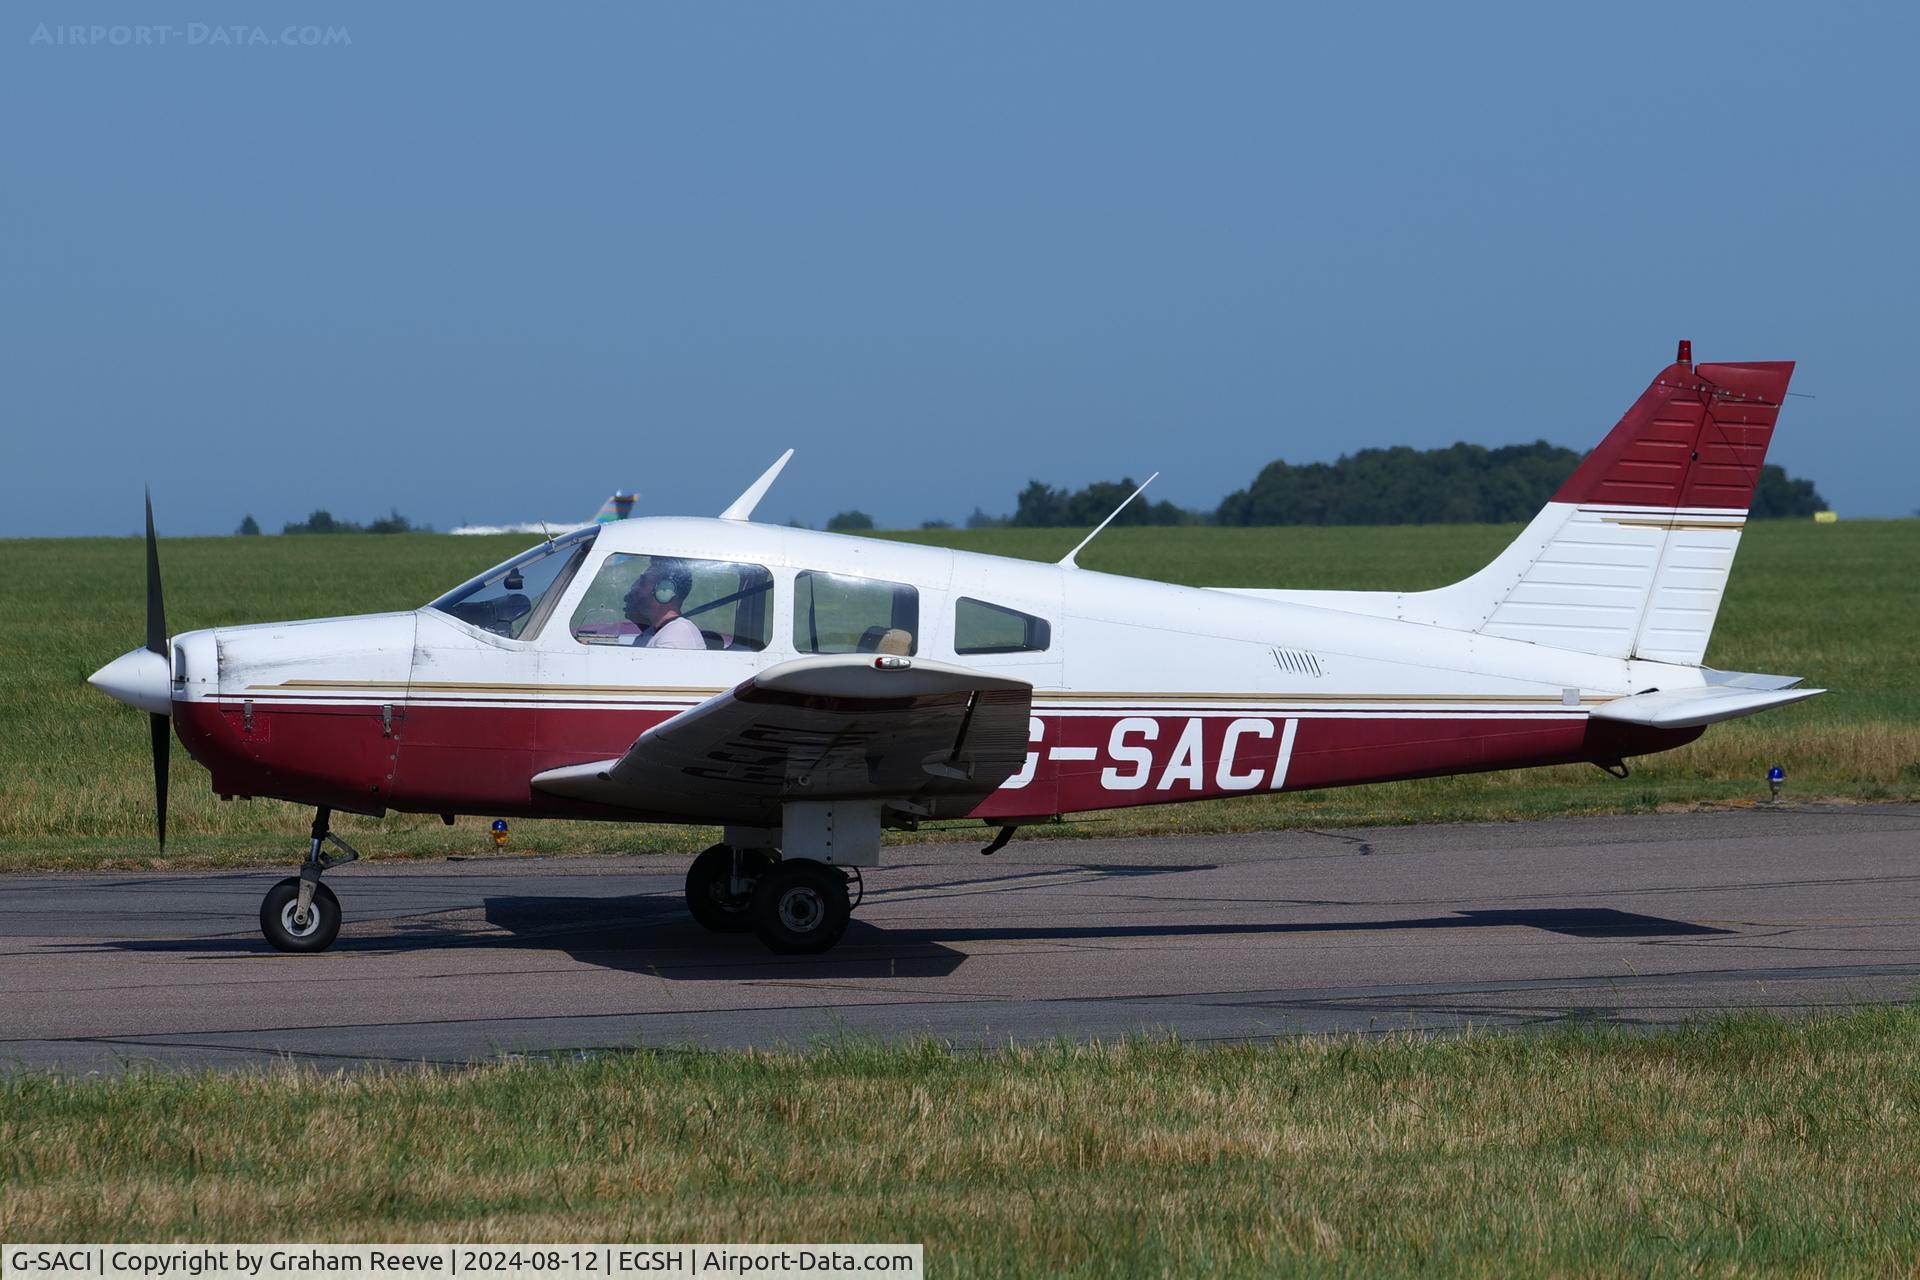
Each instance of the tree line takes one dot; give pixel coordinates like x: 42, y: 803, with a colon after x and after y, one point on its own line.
x: 325, y: 522
x: 1459, y: 484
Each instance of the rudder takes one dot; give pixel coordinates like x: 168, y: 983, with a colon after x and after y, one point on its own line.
x: 1695, y: 439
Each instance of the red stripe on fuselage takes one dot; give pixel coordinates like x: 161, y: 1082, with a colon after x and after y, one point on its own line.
x: 480, y: 760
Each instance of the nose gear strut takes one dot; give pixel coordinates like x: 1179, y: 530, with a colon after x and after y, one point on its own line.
x: 299, y: 913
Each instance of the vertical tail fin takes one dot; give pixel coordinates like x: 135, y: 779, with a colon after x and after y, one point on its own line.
x: 618, y: 506
x: 1694, y: 440
x: 1631, y: 556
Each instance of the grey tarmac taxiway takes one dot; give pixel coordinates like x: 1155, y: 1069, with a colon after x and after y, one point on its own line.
x: 1642, y: 920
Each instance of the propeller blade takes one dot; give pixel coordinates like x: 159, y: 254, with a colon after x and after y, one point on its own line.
x: 162, y: 730
x: 156, y: 608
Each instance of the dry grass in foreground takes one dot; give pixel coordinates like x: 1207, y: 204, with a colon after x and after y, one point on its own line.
x: 1747, y: 1145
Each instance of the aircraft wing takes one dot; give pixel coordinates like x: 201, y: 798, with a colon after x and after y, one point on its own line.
x: 935, y: 737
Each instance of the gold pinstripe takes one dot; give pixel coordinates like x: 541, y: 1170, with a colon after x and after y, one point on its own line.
x: 1049, y: 696
x: 1674, y: 524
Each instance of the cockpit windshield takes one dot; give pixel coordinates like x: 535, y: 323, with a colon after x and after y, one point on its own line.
x: 514, y: 599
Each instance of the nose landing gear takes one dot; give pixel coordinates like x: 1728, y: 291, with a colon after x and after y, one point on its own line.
x: 289, y: 926
x: 299, y: 913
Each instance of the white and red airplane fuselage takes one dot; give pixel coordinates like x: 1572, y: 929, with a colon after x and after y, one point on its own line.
x: 1062, y: 690
x: 1148, y: 693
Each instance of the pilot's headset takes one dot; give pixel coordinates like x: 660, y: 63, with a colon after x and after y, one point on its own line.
x: 675, y: 581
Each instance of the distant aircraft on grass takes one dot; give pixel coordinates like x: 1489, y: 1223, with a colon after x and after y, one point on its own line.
x: 618, y: 506
x: 806, y: 691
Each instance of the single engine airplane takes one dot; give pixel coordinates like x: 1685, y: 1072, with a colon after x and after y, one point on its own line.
x: 806, y: 691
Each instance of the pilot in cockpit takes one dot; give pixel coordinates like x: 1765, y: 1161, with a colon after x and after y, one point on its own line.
x: 653, y: 604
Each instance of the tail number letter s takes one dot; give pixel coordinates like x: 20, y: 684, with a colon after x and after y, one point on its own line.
x: 1140, y: 757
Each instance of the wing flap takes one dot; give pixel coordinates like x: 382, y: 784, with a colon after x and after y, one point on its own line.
x: 929, y: 735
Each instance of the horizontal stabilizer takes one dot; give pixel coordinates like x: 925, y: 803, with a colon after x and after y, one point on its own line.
x: 1686, y: 708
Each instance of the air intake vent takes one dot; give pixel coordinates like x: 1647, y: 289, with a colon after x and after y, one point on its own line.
x: 1299, y: 662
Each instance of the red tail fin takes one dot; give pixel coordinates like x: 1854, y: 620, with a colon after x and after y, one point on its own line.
x: 1695, y: 438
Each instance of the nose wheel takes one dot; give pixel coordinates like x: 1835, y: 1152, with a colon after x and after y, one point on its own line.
x: 300, y: 914
x: 287, y: 930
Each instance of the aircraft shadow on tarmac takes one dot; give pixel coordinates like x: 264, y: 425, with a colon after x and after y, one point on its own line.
x: 651, y: 934
x: 1574, y: 922
x: 636, y: 935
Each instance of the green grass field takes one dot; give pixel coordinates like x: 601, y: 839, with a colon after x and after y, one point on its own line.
x: 1747, y: 1146
x: 1834, y: 603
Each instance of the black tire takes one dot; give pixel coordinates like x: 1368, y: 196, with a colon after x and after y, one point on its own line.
x: 710, y: 896
x: 800, y: 907
x: 276, y: 917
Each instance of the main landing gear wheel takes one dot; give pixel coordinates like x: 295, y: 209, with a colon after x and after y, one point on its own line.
x: 711, y: 895
x: 800, y: 907
x: 280, y: 917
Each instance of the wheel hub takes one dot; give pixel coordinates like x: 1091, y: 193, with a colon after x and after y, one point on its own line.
x: 296, y: 927
x: 802, y: 909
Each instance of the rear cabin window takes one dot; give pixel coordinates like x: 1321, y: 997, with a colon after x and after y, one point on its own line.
x: 836, y: 614
x: 676, y: 602
x: 979, y: 627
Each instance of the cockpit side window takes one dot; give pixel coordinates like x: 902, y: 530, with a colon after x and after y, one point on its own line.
x: 676, y: 602
x: 514, y: 599
x: 979, y: 627
x: 833, y: 613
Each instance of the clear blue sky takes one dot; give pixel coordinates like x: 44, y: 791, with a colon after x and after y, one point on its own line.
x: 487, y: 263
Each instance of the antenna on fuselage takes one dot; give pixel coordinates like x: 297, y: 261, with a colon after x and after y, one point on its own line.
x: 1066, y: 561
x: 742, y: 508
